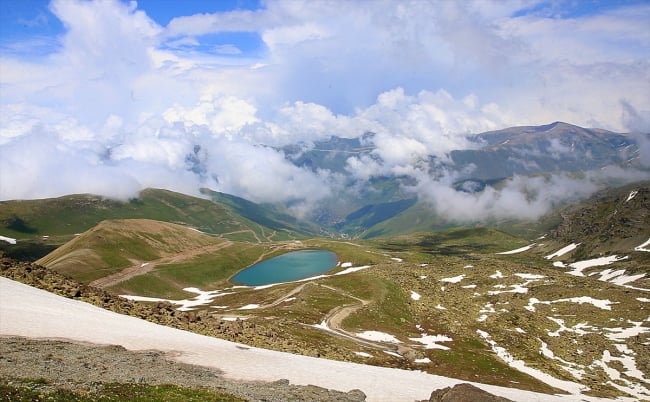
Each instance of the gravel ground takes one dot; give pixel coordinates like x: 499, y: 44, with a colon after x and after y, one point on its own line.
x: 82, y: 366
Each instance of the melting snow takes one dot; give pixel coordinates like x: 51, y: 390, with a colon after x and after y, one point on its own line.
x: 518, y: 250
x: 363, y: 354
x: 234, y: 318
x: 642, y: 247
x: 415, y: 296
x: 346, y: 265
x: 562, y: 251
x: 440, y: 307
x: 396, y: 259
x: 454, y: 279
x: 601, y: 304
x: 566, y: 365
x: 497, y: 275
x: 577, y: 329
x: 632, y: 195
x: 629, y: 365
x: 431, y: 341
x: 515, y: 289
x: 423, y: 360
x: 378, y: 336
x: 595, y: 262
x: 352, y: 269
x: 503, y: 354
x: 617, y: 334
x: 8, y: 239
x: 249, y: 307
x: 530, y: 276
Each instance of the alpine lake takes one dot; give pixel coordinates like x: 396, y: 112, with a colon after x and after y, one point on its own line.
x: 287, y: 267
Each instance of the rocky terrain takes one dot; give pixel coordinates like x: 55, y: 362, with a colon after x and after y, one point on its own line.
x: 82, y: 368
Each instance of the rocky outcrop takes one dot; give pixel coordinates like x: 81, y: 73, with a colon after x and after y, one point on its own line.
x: 464, y: 393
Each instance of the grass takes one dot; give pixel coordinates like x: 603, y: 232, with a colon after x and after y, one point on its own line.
x: 389, y: 309
x: 36, y: 390
x: 454, y: 241
x: 468, y: 359
x: 68, y: 215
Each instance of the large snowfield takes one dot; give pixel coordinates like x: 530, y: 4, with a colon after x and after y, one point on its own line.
x: 30, y: 312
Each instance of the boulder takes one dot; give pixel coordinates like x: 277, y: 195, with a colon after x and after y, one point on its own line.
x: 464, y: 393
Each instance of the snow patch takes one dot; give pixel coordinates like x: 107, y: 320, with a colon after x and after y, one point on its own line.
x: 642, y: 247
x: 454, y: 279
x: 388, y: 352
x: 431, y: 341
x: 352, y: 269
x: 504, y: 355
x: 518, y: 250
x: 618, y: 334
x: 530, y: 276
x: 415, y: 296
x: 562, y: 251
x: 378, y: 336
x: 595, y: 262
x: 249, y: 307
x: 497, y: 275
x: 631, y: 195
x: 602, y: 304
x: 8, y: 239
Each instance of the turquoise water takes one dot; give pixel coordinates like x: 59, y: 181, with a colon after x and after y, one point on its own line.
x: 287, y: 267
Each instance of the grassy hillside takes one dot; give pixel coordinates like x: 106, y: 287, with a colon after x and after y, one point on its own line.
x: 42, y: 225
x: 113, y: 245
x: 283, y: 226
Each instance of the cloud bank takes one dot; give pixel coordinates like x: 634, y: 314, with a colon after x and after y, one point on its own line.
x: 121, y: 102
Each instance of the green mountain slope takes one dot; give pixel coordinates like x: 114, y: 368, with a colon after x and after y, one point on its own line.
x: 113, y: 245
x: 40, y: 225
x: 284, y: 226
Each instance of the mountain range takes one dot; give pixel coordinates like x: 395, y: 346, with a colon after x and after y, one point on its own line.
x: 553, y: 304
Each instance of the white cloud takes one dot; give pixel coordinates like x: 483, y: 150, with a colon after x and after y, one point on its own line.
x: 127, y: 103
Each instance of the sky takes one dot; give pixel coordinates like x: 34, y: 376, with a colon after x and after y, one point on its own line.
x: 110, y: 97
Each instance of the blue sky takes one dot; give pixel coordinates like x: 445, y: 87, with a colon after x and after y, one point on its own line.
x: 124, y: 91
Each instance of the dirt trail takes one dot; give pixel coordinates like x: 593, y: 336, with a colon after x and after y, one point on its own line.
x: 252, y: 232
x: 334, y: 320
x: 142, y: 268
